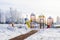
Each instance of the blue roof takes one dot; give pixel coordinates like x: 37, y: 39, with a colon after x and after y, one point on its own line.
x: 32, y: 14
x: 49, y: 17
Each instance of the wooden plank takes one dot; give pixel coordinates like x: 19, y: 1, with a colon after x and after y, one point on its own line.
x: 22, y: 37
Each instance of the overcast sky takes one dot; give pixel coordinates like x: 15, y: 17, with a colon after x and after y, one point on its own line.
x: 47, y: 7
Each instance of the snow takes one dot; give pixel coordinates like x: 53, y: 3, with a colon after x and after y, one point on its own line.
x: 43, y: 34
x: 6, y: 33
x: 46, y: 34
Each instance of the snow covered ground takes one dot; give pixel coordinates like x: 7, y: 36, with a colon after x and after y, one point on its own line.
x: 7, y: 33
x: 46, y: 34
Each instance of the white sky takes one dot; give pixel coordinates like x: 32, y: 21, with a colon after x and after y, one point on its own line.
x: 47, y: 7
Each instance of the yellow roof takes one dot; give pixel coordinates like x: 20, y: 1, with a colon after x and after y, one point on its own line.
x: 41, y: 16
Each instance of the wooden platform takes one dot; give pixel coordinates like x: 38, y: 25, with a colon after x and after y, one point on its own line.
x: 22, y: 37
